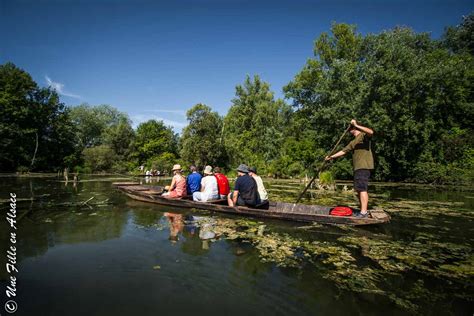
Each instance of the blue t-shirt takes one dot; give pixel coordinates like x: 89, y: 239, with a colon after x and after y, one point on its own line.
x: 193, y: 182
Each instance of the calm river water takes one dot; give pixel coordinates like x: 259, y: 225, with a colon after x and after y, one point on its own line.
x: 116, y: 256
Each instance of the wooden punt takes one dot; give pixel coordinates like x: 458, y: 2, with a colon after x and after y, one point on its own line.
x: 277, y: 210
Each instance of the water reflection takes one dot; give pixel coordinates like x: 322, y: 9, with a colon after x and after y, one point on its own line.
x: 176, y: 225
x: 197, y: 232
x: 91, y: 250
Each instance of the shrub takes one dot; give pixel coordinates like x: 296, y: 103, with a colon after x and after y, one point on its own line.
x: 99, y: 158
x: 326, y: 178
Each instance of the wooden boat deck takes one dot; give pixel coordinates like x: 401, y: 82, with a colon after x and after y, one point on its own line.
x: 278, y: 210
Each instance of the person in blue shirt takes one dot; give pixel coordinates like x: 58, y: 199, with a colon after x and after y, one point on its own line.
x: 193, y: 181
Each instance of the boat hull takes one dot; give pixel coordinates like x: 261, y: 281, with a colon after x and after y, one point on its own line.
x: 276, y: 210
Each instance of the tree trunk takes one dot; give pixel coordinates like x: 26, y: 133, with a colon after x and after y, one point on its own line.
x: 36, y: 150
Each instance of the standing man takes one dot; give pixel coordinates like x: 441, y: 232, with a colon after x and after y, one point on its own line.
x: 193, y: 181
x: 362, y: 161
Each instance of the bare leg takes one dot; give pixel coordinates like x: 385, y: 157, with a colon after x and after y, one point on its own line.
x: 364, y: 201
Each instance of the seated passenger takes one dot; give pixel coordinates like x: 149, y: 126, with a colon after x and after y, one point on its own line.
x: 209, y: 189
x: 262, y: 193
x: 245, y: 189
x: 193, y: 181
x: 222, y: 183
x: 177, y: 189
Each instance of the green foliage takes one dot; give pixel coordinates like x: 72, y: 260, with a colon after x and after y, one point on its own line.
x: 326, y: 178
x: 92, y: 123
x: 30, y: 118
x: 102, y: 125
x: 152, y: 139
x: 99, y: 158
x: 120, y: 137
x: 22, y: 169
x: 163, y: 162
x: 460, y: 39
x: 416, y: 93
x: 254, y: 125
x: 202, y: 139
x: 399, y: 83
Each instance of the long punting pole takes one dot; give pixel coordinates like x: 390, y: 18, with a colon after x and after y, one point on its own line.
x: 323, y: 164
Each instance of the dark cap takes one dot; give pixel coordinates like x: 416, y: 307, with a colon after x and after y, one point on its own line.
x: 243, y: 168
x: 253, y: 169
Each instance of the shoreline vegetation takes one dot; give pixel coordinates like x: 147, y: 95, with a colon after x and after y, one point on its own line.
x: 338, y: 184
x: 414, y: 91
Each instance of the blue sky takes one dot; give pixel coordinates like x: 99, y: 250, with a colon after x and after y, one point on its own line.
x: 155, y: 60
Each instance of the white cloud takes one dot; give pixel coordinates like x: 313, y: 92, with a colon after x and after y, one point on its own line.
x: 59, y: 87
x: 140, y: 118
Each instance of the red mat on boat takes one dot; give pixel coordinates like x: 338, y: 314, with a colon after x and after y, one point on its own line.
x: 341, y: 211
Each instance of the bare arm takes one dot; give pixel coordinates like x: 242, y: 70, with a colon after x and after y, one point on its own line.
x: 232, y: 201
x: 364, y: 129
x: 336, y: 155
x: 235, y: 196
x: 173, y: 184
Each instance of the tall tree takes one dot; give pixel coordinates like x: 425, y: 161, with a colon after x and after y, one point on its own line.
x: 101, y: 125
x: 254, y: 125
x: 35, y: 129
x: 202, y: 139
x: 398, y: 82
x: 152, y: 139
x: 460, y: 38
x: 92, y: 122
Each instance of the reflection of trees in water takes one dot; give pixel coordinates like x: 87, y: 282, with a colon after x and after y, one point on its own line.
x: 146, y: 217
x: 48, y: 228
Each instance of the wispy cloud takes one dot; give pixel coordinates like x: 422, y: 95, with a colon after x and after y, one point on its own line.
x: 140, y: 118
x: 59, y: 87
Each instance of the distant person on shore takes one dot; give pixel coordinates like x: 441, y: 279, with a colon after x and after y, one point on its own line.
x: 245, y: 189
x: 262, y: 193
x: 222, y: 183
x: 209, y: 189
x: 177, y: 189
x: 362, y: 161
x: 193, y: 180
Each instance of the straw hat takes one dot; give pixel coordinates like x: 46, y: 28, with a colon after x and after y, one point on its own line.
x: 208, y: 170
x: 176, y: 167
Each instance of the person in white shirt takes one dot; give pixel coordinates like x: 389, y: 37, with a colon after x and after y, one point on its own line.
x: 209, y: 190
x: 260, y: 187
